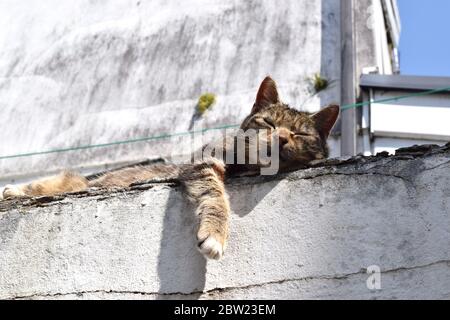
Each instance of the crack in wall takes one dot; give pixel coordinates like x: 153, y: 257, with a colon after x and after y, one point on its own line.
x: 438, y: 166
x: 229, y: 289
x: 353, y: 174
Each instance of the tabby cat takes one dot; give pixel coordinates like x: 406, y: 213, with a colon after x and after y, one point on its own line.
x: 300, y: 138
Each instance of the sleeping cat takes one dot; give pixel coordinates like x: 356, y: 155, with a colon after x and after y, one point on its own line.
x: 298, y: 137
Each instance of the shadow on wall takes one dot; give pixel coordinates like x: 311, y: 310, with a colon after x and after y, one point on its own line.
x: 264, y: 184
x: 181, y: 267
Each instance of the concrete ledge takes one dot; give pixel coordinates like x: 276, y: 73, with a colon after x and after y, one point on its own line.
x: 310, y: 234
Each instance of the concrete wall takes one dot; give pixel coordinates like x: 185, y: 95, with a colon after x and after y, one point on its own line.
x: 308, y: 234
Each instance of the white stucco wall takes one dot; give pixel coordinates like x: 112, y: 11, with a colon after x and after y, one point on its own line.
x: 310, y: 234
x: 84, y: 72
x: 88, y: 72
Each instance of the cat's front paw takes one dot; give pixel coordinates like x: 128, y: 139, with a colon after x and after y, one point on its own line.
x: 11, y: 192
x: 211, y: 245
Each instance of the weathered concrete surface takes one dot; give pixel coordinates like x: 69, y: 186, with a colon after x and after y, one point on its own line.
x: 308, y: 234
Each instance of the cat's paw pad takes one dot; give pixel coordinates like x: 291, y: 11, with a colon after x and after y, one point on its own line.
x: 212, y: 246
x: 10, y: 192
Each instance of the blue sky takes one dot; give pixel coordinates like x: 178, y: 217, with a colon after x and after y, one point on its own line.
x: 425, y: 37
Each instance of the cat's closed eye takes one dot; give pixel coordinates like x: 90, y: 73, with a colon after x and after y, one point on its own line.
x: 302, y: 134
x: 269, y: 122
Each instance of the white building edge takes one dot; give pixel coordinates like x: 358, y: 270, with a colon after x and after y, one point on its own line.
x: 403, y: 111
x: 397, y: 110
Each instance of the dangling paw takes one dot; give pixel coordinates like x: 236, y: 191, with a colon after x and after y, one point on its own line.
x: 211, y: 244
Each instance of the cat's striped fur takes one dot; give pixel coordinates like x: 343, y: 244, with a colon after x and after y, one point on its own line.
x: 301, y: 137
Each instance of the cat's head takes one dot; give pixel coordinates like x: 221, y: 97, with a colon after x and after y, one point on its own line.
x: 302, y: 136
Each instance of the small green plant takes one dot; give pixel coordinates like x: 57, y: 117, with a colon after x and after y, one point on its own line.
x: 205, y: 102
x: 319, y: 83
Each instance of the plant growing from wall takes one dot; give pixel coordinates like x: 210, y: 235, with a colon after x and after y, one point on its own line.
x: 205, y: 102
x: 319, y: 83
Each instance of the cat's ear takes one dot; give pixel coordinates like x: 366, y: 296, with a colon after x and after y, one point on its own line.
x: 267, y: 95
x: 325, y: 120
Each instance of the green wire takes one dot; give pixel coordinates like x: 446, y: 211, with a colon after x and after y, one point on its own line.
x: 418, y: 94
x: 166, y: 136
x: 163, y: 136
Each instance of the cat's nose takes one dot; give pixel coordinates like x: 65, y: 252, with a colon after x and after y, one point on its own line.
x: 283, y: 136
x: 283, y: 140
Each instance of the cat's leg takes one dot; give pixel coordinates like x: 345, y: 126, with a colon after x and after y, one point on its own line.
x: 204, y: 184
x: 66, y: 181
